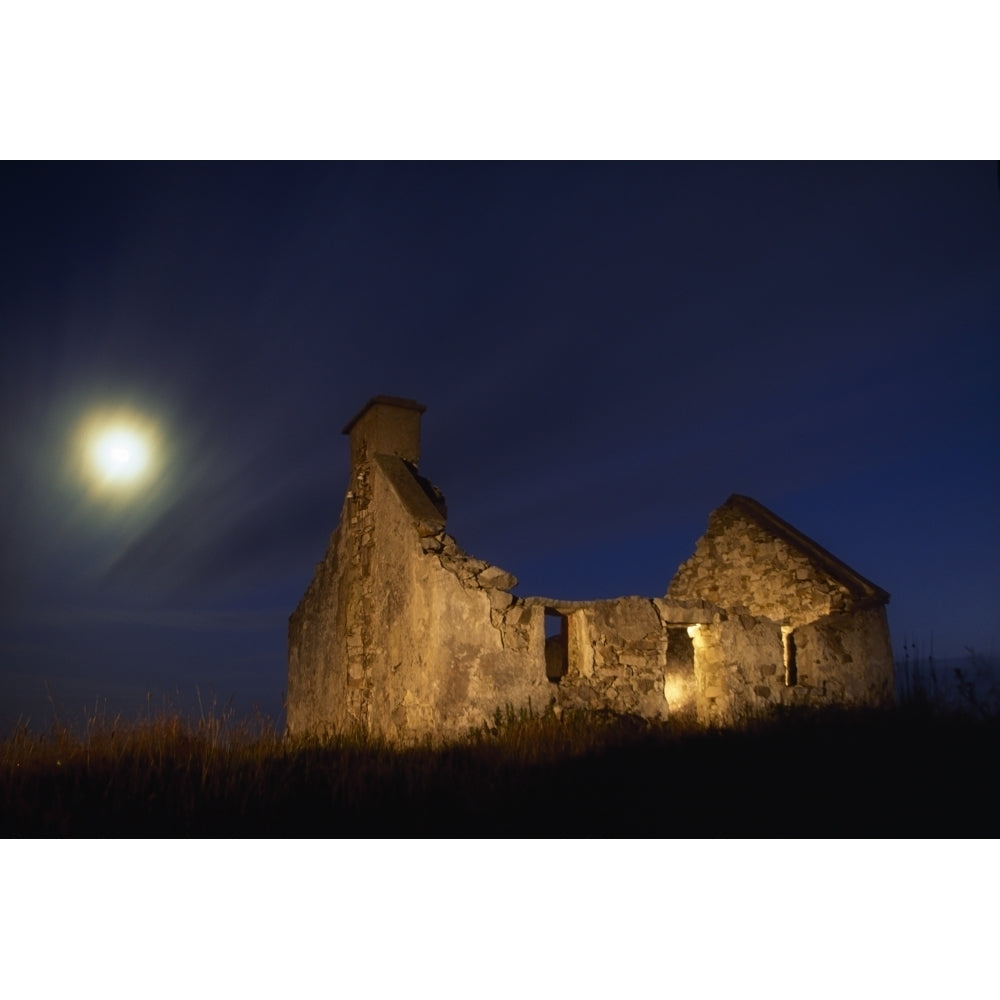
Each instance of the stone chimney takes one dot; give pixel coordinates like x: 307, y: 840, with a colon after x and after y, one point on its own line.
x: 386, y: 425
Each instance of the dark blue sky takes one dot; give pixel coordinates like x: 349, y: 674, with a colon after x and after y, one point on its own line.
x: 606, y: 351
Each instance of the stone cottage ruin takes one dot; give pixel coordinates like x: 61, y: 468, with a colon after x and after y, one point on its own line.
x: 402, y: 634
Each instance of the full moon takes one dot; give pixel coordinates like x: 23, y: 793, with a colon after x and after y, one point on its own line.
x: 120, y: 451
x: 120, y: 455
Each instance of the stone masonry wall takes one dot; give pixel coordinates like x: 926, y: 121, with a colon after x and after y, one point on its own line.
x: 739, y: 668
x: 833, y: 643
x: 845, y: 659
x: 631, y: 655
x: 738, y: 564
x: 617, y: 658
x: 403, y: 635
x: 317, y: 656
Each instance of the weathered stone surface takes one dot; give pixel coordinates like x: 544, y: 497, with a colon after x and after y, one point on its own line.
x: 431, y: 543
x: 500, y: 599
x: 408, y: 488
x: 686, y: 612
x: 403, y: 634
x: 493, y: 576
x: 846, y: 657
x: 752, y: 559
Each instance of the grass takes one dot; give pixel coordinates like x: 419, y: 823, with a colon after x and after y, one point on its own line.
x: 923, y: 769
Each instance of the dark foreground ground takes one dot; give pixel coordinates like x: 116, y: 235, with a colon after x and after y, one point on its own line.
x: 911, y: 772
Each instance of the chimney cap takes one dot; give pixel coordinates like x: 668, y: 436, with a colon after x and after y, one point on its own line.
x: 397, y: 401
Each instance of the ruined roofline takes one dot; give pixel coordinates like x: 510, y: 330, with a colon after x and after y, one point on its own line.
x: 840, y: 571
x: 428, y: 518
x: 397, y: 401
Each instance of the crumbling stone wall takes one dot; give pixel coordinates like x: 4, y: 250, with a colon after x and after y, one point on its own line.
x: 402, y: 634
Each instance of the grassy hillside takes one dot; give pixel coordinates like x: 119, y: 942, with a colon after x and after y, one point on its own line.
x: 922, y: 769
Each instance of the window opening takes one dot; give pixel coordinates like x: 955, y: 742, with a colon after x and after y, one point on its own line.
x: 556, y: 645
x: 791, y: 669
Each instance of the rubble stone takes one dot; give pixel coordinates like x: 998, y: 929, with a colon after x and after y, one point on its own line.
x: 495, y: 577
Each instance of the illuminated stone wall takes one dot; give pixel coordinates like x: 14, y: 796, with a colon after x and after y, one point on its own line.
x: 800, y: 625
x: 403, y: 635
x: 739, y: 668
x: 738, y: 562
x: 617, y: 657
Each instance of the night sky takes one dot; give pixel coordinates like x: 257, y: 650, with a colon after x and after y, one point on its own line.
x: 606, y: 353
